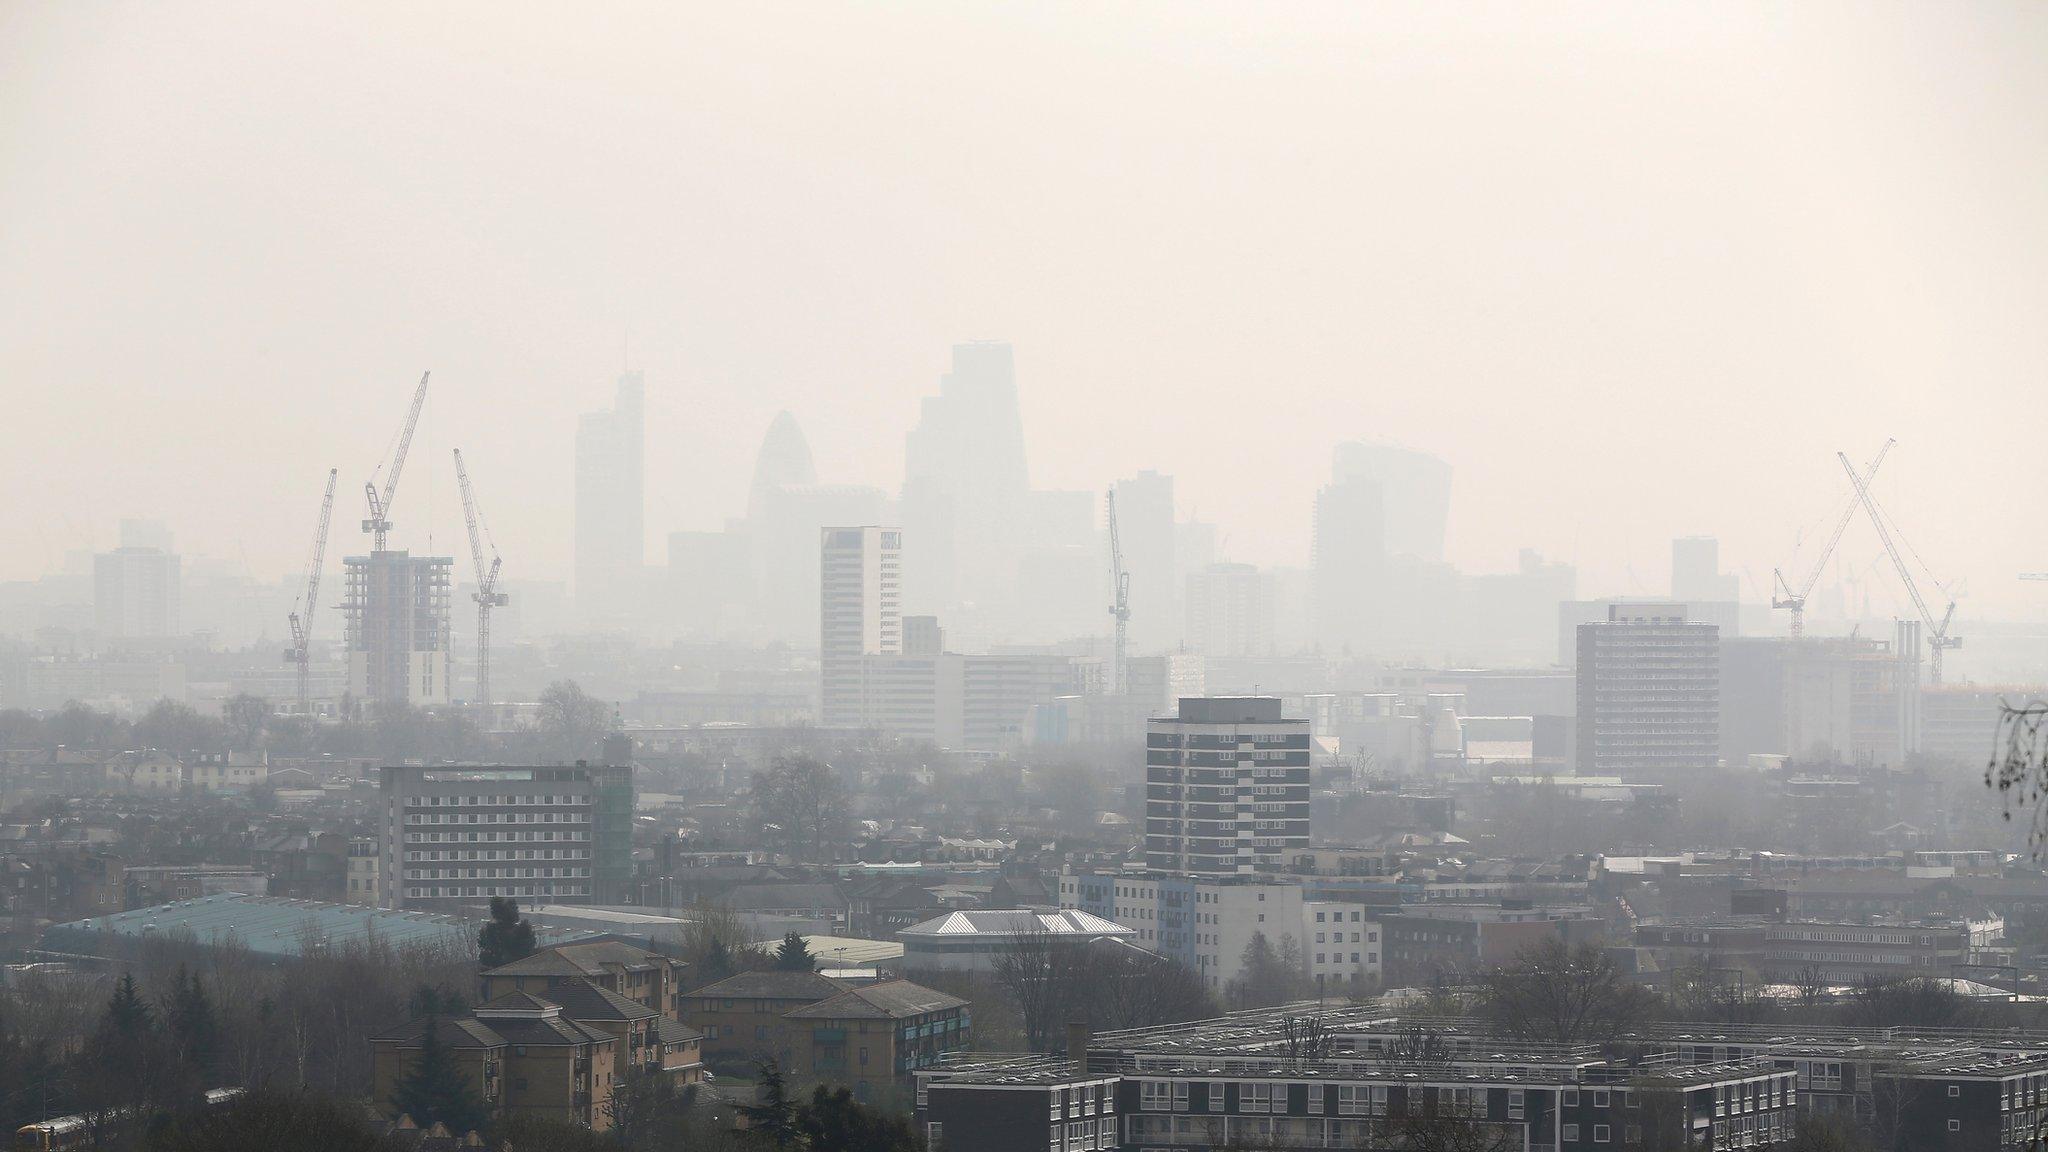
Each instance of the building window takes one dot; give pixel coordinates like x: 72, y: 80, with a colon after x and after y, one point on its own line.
x: 1955, y: 1125
x: 1600, y: 1133
x: 1569, y: 1133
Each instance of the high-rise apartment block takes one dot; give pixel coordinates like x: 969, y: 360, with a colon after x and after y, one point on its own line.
x: 1226, y: 787
x: 397, y: 634
x: 611, y: 503
x: 455, y: 837
x: 136, y: 590
x: 1649, y: 692
x: 1230, y: 611
x: 861, y: 613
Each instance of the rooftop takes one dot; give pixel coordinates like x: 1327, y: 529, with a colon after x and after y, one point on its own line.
x: 271, y: 926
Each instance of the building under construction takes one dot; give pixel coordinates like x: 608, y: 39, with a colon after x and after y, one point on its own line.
x: 398, y: 634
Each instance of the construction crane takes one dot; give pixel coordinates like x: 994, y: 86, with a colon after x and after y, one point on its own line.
x: 379, y: 522
x: 301, y: 651
x: 1796, y: 600
x: 486, y: 595
x: 1938, y: 639
x: 1120, y: 609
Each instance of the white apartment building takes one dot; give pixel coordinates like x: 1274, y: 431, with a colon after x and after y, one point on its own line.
x: 860, y: 614
x: 1204, y: 923
x: 1340, y: 945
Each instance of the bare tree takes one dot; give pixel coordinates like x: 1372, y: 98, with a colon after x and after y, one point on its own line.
x: 1305, y: 1038
x: 1563, y: 995
x: 802, y: 800
x: 2019, y: 764
x: 1041, y: 972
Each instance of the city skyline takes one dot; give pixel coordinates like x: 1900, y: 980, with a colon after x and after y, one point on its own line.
x: 1780, y: 318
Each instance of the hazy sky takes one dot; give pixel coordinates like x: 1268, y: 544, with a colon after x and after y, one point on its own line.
x: 1635, y: 269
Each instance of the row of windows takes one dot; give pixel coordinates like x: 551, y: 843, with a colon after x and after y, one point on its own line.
x: 492, y: 837
x: 447, y: 891
x: 459, y: 801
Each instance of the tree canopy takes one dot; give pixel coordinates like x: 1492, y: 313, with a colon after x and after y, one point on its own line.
x: 506, y: 937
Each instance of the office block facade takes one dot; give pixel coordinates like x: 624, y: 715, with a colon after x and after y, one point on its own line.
x: 455, y: 837
x: 1649, y: 692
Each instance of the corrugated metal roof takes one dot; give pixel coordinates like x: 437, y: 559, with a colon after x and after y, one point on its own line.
x: 267, y: 925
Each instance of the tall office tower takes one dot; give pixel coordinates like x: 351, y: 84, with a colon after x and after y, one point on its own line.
x: 1348, y: 565
x: 783, y: 541
x: 455, y: 837
x: 922, y: 636
x: 137, y: 587
x: 395, y: 608
x: 1144, y: 520
x: 860, y: 614
x: 965, y: 483
x: 611, y: 504
x: 1649, y: 692
x: 1226, y: 787
x: 1415, y: 488
x: 783, y: 462
x: 1230, y: 611
x: 1696, y: 571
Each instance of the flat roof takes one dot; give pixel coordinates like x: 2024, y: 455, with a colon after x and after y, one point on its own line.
x: 268, y: 925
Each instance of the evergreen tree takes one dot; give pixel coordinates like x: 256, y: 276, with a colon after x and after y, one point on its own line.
x: 507, y: 937
x: 715, y: 965
x: 128, y: 1017
x: 433, y: 1089
x: 193, y: 1027
x: 773, y: 1120
x: 795, y: 955
x: 834, y: 1119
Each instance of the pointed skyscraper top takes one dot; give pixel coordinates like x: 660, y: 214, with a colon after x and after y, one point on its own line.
x: 784, y: 462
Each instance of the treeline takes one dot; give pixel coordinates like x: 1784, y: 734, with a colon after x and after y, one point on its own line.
x: 186, y: 1017
x: 570, y: 725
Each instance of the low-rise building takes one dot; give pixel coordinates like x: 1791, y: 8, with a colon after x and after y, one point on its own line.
x: 975, y: 941
x: 872, y: 1038
x: 646, y: 978
x: 520, y: 1054
x: 743, y: 1017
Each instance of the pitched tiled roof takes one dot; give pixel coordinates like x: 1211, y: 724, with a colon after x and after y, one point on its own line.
x: 455, y: 1032
x: 577, y: 960
x: 582, y: 1000
x: 772, y: 984
x: 892, y: 1000
x: 675, y: 1031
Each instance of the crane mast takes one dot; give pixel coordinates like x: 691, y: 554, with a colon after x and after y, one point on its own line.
x: 1938, y: 639
x: 378, y: 524
x: 301, y: 651
x: 1796, y: 601
x: 486, y: 595
x: 1120, y: 609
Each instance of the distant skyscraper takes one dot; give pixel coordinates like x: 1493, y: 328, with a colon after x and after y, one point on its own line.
x: 1415, y: 491
x: 1649, y: 692
x: 611, y: 504
x: 965, y: 483
x: 1696, y: 571
x: 1230, y: 611
x: 860, y: 613
x: 1227, y: 787
x: 1144, y: 519
x: 1348, y: 566
x: 784, y: 543
x: 137, y: 587
x: 783, y: 462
